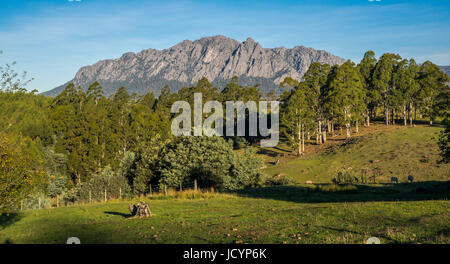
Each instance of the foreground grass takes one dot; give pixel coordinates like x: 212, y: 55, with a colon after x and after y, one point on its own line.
x: 393, y: 151
x: 258, y: 216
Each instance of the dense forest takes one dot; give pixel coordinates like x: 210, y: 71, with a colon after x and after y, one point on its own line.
x: 81, y: 145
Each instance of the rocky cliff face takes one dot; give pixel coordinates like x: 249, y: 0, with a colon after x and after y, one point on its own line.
x: 217, y: 58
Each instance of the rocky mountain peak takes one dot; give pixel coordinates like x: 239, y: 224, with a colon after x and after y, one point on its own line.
x: 217, y: 58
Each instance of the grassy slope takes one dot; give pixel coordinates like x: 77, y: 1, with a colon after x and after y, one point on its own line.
x: 285, y: 214
x: 398, y: 152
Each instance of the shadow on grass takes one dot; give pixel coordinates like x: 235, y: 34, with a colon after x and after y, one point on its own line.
x: 52, y: 231
x: 420, y: 191
x: 119, y: 214
x: 7, y: 219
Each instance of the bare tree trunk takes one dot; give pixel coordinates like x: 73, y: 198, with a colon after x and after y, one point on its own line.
x: 368, y: 119
x: 405, y: 123
x: 357, y: 128
x: 303, y: 139
x: 299, y: 134
x: 319, y: 132
x: 386, y: 115
x: 324, y: 136
x: 393, y: 116
x: 347, y: 128
x: 410, y: 115
x: 415, y: 113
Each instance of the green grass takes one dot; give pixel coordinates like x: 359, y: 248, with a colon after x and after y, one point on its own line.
x: 395, y: 153
x: 281, y: 218
x: 324, y: 213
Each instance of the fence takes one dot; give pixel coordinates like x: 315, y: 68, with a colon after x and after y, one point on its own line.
x: 153, y: 190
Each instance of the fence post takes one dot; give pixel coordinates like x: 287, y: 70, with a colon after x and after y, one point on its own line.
x: 39, y: 202
x: 165, y: 190
x: 105, y: 195
x: 90, y: 197
x: 195, y: 184
x: 150, y: 189
x: 120, y: 193
x: 21, y: 205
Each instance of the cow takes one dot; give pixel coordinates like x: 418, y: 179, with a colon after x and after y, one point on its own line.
x: 410, y: 178
x: 394, y: 179
x: 309, y: 182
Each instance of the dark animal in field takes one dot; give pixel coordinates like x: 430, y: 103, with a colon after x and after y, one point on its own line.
x: 410, y: 178
x: 394, y: 179
x: 140, y: 210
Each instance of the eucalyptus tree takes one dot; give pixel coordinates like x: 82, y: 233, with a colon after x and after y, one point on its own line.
x: 432, y: 97
x: 314, y: 80
x: 366, y: 67
x: 384, y: 83
x: 405, y: 77
x: 345, y: 96
x: 297, y: 117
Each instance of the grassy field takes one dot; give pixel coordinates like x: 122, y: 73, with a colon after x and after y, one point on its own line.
x: 393, y: 151
x: 277, y: 215
x: 396, y: 213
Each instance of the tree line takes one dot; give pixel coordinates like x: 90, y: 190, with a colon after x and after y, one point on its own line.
x: 349, y: 95
x: 81, y: 143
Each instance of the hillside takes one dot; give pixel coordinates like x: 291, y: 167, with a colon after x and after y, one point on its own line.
x: 217, y: 58
x: 393, y: 151
x: 293, y: 214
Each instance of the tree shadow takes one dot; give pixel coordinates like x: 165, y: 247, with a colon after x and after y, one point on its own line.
x: 119, y: 214
x: 324, y: 193
x: 7, y: 219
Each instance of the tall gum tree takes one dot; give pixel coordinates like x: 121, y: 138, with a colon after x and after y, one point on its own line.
x: 366, y: 68
x: 383, y: 81
x: 345, y: 96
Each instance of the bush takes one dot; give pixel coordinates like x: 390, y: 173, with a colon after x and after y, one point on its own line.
x: 245, y: 171
x: 444, y: 141
x: 209, y: 160
x: 346, y: 176
x: 115, y: 185
x: 35, y: 201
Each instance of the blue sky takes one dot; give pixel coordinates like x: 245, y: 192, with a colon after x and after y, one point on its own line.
x: 52, y: 39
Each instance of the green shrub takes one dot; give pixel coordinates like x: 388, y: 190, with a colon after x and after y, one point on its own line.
x: 209, y: 160
x: 346, y: 176
x: 115, y: 185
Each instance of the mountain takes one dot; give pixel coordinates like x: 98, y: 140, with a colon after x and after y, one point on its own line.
x: 445, y: 69
x: 217, y: 58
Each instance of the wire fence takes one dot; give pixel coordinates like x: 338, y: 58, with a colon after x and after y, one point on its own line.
x: 42, y: 202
